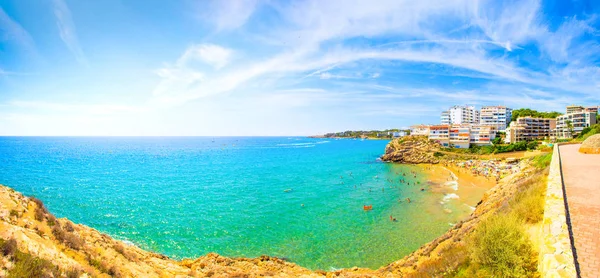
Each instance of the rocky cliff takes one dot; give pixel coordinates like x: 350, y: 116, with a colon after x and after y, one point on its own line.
x: 34, y: 242
x: 411, y: 150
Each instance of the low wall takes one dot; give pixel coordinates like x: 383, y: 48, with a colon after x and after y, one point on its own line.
x: 556, y: 255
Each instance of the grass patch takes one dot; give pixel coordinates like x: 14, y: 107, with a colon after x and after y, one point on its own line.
x: 528, y: 203
x: 542, y: 161
x: 499, y: 247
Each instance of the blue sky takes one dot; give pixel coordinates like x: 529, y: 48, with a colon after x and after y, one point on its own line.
x: 256, y: 67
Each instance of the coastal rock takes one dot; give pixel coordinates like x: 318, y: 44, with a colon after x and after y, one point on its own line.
x: 411, y: 150
x: 591, y: 145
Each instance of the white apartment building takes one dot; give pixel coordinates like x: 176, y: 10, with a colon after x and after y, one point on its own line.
x: 457, y: 115
x: 573, y: 123
x: 496, y: 116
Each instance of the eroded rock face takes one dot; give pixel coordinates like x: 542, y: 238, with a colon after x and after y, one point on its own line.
x: 411, y: 150
x: 591, y: 145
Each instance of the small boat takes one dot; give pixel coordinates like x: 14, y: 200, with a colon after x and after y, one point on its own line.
x: 288, y: 190
x: 370, y: 207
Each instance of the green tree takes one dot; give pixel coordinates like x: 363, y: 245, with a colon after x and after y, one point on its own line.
x: 523, y: 112
x: 569, y: 127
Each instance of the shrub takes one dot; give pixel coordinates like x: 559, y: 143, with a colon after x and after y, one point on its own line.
x: 26, y: 265
x: 14, y: 213
x: 51, y: 220
x: 69, y: 239
x: 8, y: 247
x: 500, y: 247
x: 69, y: 227
x: 40, y: 210
x: 73, y: 273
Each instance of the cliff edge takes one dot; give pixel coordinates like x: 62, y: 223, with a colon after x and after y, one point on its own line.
x: 411, y: 150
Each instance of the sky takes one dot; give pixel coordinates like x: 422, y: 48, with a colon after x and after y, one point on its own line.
x: 280, y: 68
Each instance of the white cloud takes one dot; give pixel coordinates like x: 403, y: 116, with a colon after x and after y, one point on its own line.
x: 67, y: 31
x: 226, y: 15
x: 214, y: 55
x: 314, y: 43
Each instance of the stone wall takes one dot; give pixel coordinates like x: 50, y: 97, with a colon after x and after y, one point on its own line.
x: 556, y: 256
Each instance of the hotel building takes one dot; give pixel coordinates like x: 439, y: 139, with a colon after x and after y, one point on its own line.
x: 529, y: 128
x: 482, y: 135
x: 496, y: 116
x: 440, y: 134
x: 462, y: 136
x: 578, y: 118
x: 460, y: 115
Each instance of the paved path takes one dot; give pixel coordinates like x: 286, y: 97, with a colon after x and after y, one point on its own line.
x: 581, y: 175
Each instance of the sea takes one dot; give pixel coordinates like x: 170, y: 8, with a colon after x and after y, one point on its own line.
x: 301, y: 199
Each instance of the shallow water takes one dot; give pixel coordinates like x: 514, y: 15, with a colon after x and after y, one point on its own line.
x: 298, y: 198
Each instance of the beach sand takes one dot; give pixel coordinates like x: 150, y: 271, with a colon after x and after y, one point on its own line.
x: 456, y: 190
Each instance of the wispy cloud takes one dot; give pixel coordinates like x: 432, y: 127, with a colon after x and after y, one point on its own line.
x: 13, y: 31
x: 226, y: 15
x: 67, y: 31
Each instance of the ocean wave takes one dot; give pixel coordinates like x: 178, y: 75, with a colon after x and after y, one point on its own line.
x: 452, y: 184
x: 471, y: 207
x: 448, y: 197
x: 295, y: 144
x: 322, y: 142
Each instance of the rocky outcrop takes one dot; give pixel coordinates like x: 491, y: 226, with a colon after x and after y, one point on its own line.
x: 591, y: 145
x: 411, y: 150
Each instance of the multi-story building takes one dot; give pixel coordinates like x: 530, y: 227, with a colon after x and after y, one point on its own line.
x: 462, y: 136
x: 529, y: 128
x: 496, y: 116
x: 571, y: 109
x: 482, y: 135
x: 457, y: 115
x: 593, y: 109
x: 419, y: 130
x: 573, y: 123
x: 459, y: 136
x: 445, y: 118
x: 440, y: 134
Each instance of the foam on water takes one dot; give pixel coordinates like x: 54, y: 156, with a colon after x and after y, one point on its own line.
x: 452, y: 184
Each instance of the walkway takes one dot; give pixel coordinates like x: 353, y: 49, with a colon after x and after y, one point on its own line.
x: 581, y: 175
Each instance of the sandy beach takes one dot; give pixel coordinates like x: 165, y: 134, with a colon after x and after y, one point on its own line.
x: 459, y: 190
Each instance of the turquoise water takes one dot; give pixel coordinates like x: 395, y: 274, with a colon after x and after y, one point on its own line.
x: 187, y: 196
